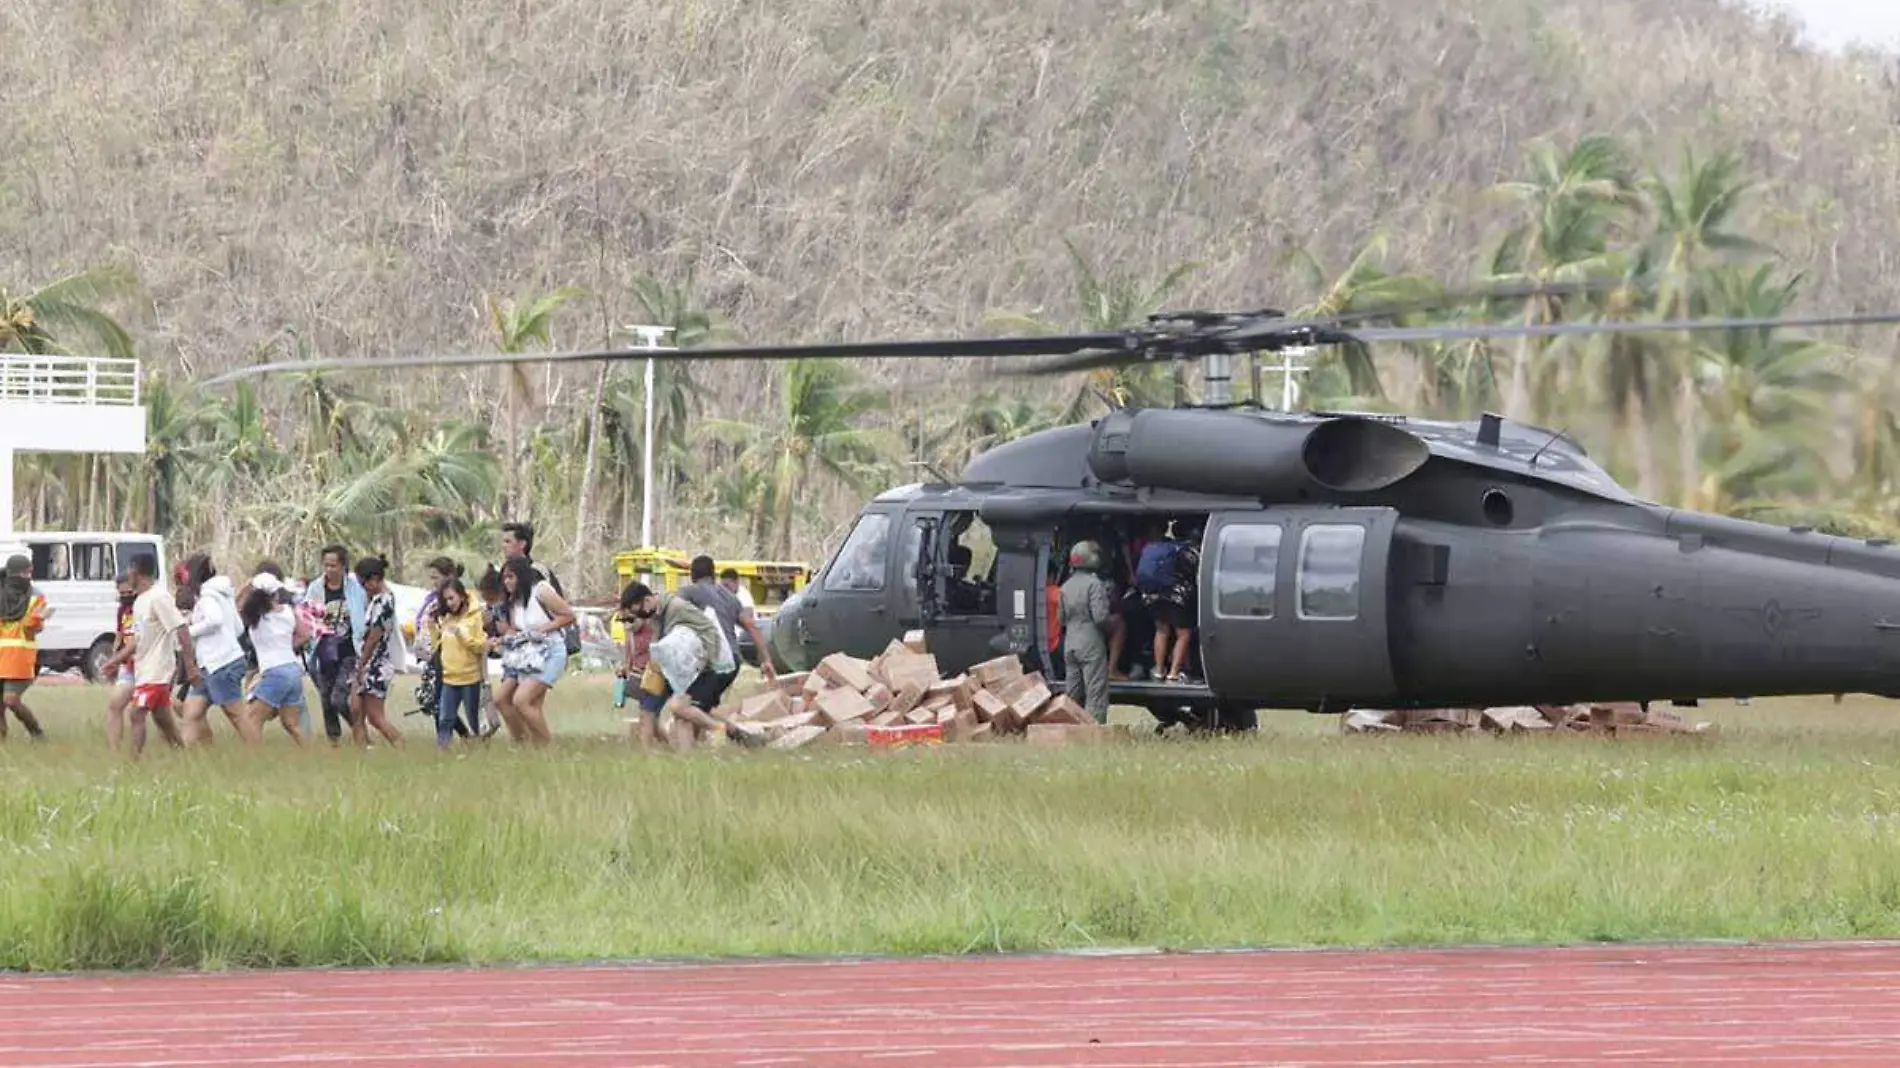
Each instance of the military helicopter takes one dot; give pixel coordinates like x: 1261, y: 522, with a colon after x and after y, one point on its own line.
x: 1345, y: 559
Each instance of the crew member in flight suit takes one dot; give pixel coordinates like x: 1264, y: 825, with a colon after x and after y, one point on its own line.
x: 1084, y: 645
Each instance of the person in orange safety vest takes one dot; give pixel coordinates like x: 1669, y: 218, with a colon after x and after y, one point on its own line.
x: 22, y: 616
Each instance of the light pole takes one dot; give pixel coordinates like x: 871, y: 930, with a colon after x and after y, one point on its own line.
x: 649, y: 342
x: 1288, y: 368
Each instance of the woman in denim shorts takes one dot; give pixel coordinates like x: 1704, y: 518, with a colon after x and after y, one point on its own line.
x: 536, y: 616
x: 277, y: 631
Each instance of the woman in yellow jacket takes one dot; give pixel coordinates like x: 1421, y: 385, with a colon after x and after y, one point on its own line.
x: 457, y: 627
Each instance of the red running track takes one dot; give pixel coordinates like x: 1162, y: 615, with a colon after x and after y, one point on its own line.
x: 1790, y: 1004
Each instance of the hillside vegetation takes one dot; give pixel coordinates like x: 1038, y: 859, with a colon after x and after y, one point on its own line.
x: 362, y: 178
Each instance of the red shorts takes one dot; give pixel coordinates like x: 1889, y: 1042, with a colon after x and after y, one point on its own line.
x: 152, y: 697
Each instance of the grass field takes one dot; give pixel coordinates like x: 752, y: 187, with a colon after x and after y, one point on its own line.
x: 1787, y: 824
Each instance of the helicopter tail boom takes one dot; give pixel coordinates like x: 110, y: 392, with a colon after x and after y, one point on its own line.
x: 1599, y: 611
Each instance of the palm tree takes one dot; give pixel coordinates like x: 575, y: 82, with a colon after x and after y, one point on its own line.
x: 64, y: 316
x: 990, y: 419
x: 328, y: 405
x: 744, y: 488
x: 623, y: 430
x: 1694, y: 218
x: 517, y: 325
x: 1348, y: 372
x: 170, y: 424
x: 1767, y: 398
x: 237, y: 432
x: 692, y: 325
x: 1624, y: 372
x: 1876, y: 450
x: 1110, y: 302
x: 816, y: 436
x: 1571, y: 205
x: 453, y: 472
x: 430, y: 480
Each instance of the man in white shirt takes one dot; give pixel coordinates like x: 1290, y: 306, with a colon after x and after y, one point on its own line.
x: 161, y: 634
x: 748, y: 618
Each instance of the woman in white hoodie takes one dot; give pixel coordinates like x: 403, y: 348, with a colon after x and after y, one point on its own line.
x: 215, y: 627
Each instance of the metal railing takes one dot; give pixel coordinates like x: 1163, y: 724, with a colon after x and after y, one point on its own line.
x: 81, y: 381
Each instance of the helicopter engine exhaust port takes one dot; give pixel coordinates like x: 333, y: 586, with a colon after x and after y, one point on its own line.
x: 1361, y: 455
x: 1230, y: 453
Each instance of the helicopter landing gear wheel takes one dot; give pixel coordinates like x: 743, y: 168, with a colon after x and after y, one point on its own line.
x: 1236, y: 719
x: 1168, y: 717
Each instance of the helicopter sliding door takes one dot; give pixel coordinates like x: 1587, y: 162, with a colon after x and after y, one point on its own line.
x: 1293, y: 606
x: 972, y: 577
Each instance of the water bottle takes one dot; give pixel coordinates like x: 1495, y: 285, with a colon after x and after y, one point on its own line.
x: 620, y: 691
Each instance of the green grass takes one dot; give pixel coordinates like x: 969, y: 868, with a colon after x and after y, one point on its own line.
x: 1786, y: 825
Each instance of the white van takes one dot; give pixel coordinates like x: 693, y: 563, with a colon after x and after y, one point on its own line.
x: 77, y: 572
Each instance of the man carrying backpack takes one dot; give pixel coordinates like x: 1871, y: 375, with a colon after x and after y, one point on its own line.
x: 1165, y: 576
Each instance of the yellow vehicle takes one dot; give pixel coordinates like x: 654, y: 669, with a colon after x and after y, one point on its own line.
x: 769, y: 582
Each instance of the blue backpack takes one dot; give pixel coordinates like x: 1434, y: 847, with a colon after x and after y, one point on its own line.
x: 1154, y: 572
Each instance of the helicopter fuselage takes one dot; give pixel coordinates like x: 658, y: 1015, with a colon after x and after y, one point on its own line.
x: 1348, y: 561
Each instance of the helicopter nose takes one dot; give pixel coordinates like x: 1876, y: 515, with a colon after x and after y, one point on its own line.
x: 787, y: 639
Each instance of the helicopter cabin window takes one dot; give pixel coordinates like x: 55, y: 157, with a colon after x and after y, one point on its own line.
x: 860, y: 563
x: 970, y: 554
x: 1244, y: 571
x: 1329, y: 570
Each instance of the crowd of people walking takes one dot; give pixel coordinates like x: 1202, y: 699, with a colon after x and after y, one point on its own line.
x: 253, y: 649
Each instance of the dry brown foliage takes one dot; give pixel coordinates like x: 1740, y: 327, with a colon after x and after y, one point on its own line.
x: 843, y: 169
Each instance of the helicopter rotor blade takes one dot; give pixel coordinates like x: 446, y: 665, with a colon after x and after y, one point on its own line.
x: 1091, y: 351
x: 1454, y: 298
x: 997, y: 346
x: 1274, y: 335
x: 1168, y: 337
x: 1451, y: 298
x: 1268, y: 328
x: 1088, y: 360
x: 1507, y: 330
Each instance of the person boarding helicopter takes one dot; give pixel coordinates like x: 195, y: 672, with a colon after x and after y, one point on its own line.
x: 1085, y: 617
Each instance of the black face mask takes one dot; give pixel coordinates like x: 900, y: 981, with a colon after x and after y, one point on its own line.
x: 126, y: 600
x: 644, y: 612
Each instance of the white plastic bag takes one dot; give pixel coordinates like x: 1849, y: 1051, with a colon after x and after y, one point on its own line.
x: 679, y: 657
x: 401, y: 661
x: 727, y: 661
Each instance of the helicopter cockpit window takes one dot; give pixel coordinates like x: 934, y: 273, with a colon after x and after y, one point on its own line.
x: 1244, y: 571
x: 970, y: 552
x: 860, y: 563
x: 1329, y: 571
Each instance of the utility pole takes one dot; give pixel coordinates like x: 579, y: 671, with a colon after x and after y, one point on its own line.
x: 649, y: 342
x: 1292, y: 362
